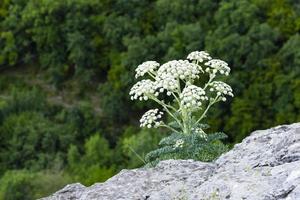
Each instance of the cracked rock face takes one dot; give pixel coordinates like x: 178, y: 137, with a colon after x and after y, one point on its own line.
x: 265, y: 166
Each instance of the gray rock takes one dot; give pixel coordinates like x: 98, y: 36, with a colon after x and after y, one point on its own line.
x: 265, y: 166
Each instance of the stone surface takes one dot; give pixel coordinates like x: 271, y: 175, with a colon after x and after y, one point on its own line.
x: 265, y: 166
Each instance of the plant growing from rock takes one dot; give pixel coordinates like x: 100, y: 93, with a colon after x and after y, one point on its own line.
x: 176, y: 87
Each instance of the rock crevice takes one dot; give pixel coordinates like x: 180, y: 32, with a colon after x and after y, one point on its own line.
x: 265, y: 166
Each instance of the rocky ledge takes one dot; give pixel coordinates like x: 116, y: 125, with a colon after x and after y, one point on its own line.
x: 265, y: 166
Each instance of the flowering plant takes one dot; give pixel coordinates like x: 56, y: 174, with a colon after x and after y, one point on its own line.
x: 179, y: 79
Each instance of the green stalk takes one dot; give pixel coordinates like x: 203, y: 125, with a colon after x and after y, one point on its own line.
x: 137, y: 155
x: 166, y: 109
x: 169, y: 127
x: 207, y: 108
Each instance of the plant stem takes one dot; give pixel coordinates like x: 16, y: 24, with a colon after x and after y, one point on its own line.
x: 137, y: 155
x: 207, y: 108
x: 185, y: 121
x: 152, y: 76
x: 166, y: 109
x: 169, y: 127
x: 176, y: 98
x: 211, y: 77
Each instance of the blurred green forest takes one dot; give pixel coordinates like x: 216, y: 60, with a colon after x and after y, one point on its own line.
x: 67, y: 66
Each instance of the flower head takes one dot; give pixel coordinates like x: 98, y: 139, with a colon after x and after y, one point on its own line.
x: 199, y: 56
x: 200, y: 132
x: 216, y: 65
x: 167, y: 82
x: 145, y: 67
x: 151, y: 118
x: 221, y: 88
x: 179, y: 69
x: 142, y: 89
x: 179, y: 143
x: 192, y: 97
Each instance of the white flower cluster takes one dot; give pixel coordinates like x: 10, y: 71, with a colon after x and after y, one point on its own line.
x: 181, y: 69
x: 179, y: 143
x: 221, y: 88
x: 148, y: 66
x: 199, y: 56
x: 142, y: 89
x: 216, y: 65
x: 167, y: 82
x: 176, y: 78
x: 150, y: 118
x: 192, y: 96
x: 200, y: 132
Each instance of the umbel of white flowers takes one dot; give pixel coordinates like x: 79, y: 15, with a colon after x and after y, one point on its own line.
x: 177, y: 79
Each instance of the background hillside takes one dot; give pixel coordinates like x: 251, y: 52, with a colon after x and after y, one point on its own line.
x: 67, y: 66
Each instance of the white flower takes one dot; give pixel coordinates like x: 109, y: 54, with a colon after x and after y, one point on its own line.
x: 148, y: 66
x: 192, y: 97
x: 179, y: 143
x: 179, y: 69
x: 217, y: 65
x: 176, y: 79
x: 167, y: 82
x: 200, y: 132
x: 221, y: 88
x: 151, y: 118
x: 142, y: 89
x: 199, y: 56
